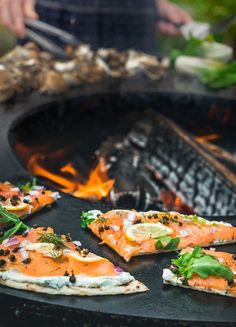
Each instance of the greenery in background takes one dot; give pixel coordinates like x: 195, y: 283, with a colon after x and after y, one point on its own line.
x: 207, y: 11
x: 219, y: 78
x: 7, y: 40
x: 192, y: 48
x: 210, y: 11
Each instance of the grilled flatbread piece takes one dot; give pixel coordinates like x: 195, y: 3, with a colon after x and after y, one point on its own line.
x: 132, y: 233
x: 25, y: 199
x: 203, y: 270
x: 49, y: 263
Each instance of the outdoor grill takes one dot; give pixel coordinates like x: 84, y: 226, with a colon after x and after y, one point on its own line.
x: 141, y: 130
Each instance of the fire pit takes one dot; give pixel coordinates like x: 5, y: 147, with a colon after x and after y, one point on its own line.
x: 133, y: 156
x: 67, y: 131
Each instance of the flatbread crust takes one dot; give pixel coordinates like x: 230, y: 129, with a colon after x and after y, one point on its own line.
x: 201, y: 289
x: 34, y: 199
x: 213, y: 283
x: 78, y: 272
x: 132, y: 287
x: 185, y: 228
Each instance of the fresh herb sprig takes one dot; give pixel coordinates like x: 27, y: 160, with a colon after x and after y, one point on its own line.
x: 86, y: 219
x: 52, y: 238
x: 167, y: 243
x: 18, y: 225
x: 196, y: 219
x: 201, y: 264
x: 28, y: 186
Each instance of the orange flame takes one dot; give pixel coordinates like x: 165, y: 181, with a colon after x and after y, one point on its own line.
x: 207, y: 138
x: 98, y: 185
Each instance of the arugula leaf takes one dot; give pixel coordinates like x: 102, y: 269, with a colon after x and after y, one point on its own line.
x: 28, y: 186
x: 173, y: 244
x: 201, y: 264
x: 206, y: 266
x: 6, y: 217
x: 86, y: 219
x: 167, y: 243
x: 12, y: 231
x: 196, y: 219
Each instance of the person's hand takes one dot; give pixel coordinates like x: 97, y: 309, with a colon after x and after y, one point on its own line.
x: 13, y: 13
x: 172, y: 17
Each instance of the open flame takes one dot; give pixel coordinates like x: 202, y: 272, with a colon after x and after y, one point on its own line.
x: 208, y: 138
x: 97, y: 186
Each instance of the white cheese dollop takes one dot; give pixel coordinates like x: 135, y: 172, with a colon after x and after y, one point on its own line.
x: 15, y: 189
x: 60, y: 281
x: 55, y: 195
x: 169, y: 277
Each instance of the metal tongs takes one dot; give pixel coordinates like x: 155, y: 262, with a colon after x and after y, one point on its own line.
x: 47, y: 44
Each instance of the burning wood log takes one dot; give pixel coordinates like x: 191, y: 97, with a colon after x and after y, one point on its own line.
x: 156, y: 146
x: 190, y: 171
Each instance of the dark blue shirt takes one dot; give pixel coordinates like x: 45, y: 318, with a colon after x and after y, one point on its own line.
x: 104, y: 23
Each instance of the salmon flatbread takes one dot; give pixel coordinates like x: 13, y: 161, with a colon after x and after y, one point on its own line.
x: 25, y: 199
x: 132, y: 233
x: 42, y: 261
x: 203, y: 270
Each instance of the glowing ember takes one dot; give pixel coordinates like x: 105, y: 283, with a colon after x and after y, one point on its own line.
x: 98, y: 185
x: 173, y: 202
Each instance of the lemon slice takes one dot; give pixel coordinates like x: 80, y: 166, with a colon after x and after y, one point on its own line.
x: 19, y: 207
x: 145, y: 231
x: 90, y: 257
x: 47, y: 249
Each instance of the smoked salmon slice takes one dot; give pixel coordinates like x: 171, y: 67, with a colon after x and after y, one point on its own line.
x: 132, y: 233
x: 24, y: 200
x: 203, y: 270
x: 45, y: 262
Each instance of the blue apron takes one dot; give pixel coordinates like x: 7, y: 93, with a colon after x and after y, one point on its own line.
x: 104, y: 23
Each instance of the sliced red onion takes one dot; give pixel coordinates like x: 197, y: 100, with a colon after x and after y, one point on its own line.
x: 10, y: 241
x: 213, y: 230
x: 115, y: 228
x: 129, y: 220
x: 77, y: 243
x: 24, y: 243
x: 24, y: 253
x: 118, y: 269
